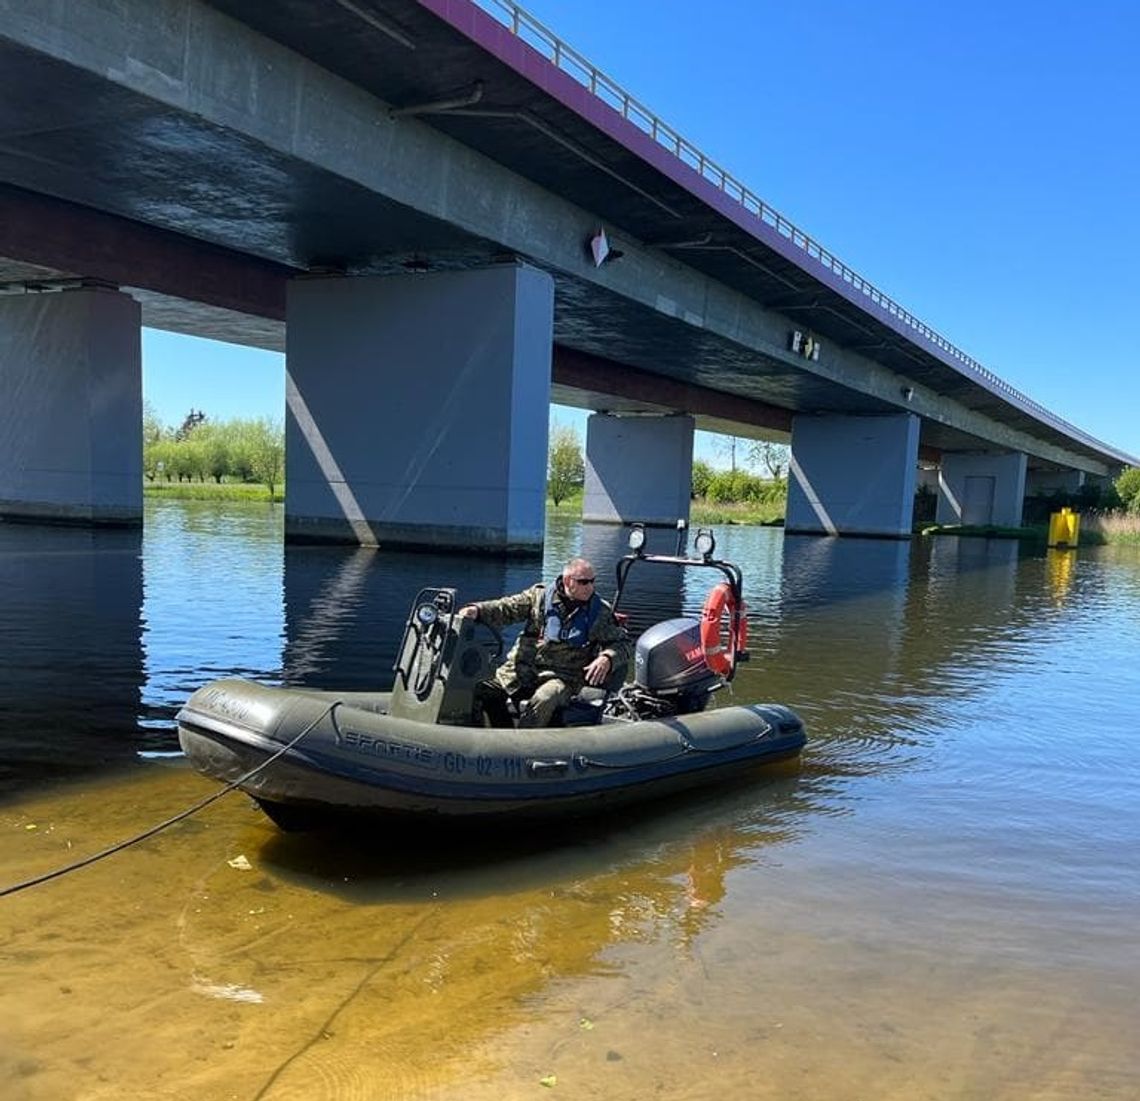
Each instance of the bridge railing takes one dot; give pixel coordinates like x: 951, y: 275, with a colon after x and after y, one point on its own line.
x: 540, y: 38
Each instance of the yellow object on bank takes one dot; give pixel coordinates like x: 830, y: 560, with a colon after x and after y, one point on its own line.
x: 1064, y: 528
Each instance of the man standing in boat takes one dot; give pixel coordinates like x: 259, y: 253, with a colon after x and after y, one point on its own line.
x: 570, y: 639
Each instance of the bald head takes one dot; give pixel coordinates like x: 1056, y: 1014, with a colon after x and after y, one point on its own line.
x: 578, y: 578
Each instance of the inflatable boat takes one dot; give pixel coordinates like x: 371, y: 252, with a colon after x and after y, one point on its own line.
x: 426, y: 749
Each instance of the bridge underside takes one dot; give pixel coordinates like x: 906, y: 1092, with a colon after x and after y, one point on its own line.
x: 204, y: 167
x: 268, y: 140
x: 188, y: 286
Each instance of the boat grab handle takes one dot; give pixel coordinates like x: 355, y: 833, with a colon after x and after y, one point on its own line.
x: 556, y: 767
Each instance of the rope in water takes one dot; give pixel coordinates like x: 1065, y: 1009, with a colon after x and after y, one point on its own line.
x: 200, y: 805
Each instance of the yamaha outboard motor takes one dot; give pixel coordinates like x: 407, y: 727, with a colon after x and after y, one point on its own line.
x: 670, y: 665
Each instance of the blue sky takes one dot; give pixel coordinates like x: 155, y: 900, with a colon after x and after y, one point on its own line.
x: 979, y: 162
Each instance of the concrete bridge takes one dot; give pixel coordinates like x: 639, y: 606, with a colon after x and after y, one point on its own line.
x: 415, y: 199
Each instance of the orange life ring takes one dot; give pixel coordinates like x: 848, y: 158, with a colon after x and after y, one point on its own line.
x: 719, y: 601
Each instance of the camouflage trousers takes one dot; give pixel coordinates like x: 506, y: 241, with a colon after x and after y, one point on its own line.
x: 539, y: 696
x: 551, y: 694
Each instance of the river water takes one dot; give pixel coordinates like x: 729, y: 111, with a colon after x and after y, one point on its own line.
x: 941, y: 900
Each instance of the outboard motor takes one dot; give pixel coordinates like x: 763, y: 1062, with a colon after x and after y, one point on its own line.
x: 669, y: 665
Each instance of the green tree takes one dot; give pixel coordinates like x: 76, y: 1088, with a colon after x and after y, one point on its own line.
x: 262, y: 449
x: 160, y: 457
x: 215, y: 442
x: 565, y: 468
x: 727, y: 486
x: 772, y: 457
x: 1128, y: 486
x: 702, y: 475
x: 178, y: 460
x: 191, y: 457
x: 194, y: 419
x: 774, y: 491
x: 154, y: 434
x: 153, y: 428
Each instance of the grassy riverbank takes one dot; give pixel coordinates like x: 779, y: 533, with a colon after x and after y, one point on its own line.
x: 766, y: 514
x: 1096, y: 530
x: 568, y: 506
x: 701, y: 512
x: 1114, y: 527
x: 212, y: 491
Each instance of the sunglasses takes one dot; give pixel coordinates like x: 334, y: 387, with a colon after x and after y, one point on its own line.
x: 583, y: 580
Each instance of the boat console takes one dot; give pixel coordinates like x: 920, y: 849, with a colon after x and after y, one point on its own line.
x: 442, y: 658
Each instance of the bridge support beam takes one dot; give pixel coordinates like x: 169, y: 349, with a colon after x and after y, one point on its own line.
x: 853, y: 475
x: 638, y: 468
x: 981, y: 488
x: 418, y: 408
x: 71, y: 407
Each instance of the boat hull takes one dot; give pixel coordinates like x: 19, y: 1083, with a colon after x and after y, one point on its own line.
x: 350, y: 758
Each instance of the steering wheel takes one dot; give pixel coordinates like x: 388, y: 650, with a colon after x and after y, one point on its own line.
x: 496, y: 638
x: 477, y: 657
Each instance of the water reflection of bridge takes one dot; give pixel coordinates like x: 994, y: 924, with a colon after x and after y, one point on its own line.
x: 71, y: 665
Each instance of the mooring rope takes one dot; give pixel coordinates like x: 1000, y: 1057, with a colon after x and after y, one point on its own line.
x: 200, y: 805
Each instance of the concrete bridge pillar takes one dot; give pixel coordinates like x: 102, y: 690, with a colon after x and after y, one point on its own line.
x: 853, y: 475
x: 981, y: 488
x: 71, y: 407
x: 418, y: 409
x: 638, y: 468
